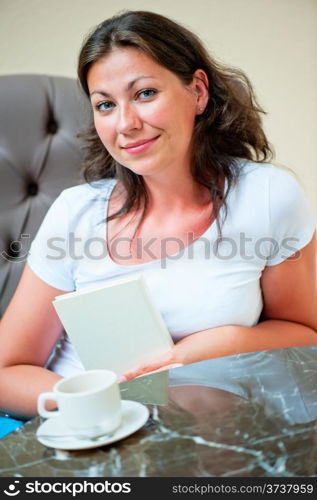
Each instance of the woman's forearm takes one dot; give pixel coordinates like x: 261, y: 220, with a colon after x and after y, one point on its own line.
x: 20, y: 386
x: 233, y: 339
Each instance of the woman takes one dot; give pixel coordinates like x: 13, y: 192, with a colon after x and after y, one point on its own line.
x: 183, y: 195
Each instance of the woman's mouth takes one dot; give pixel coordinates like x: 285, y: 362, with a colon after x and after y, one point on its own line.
x: 134, y: 148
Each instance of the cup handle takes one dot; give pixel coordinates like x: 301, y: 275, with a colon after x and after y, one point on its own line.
x: 41, y: 405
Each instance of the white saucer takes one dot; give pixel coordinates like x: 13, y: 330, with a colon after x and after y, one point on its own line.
x: 134, y: 416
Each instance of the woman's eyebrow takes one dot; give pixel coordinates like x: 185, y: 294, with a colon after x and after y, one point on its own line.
x: 128, y: 87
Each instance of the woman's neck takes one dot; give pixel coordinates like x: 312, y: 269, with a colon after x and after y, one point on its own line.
x: 168, y: 194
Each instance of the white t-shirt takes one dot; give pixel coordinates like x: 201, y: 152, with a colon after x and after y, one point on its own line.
x: 203, y: 285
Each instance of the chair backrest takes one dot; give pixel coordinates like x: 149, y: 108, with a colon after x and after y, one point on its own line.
x: 40, y: 117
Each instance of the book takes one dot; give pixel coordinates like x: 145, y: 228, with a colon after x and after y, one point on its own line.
x: 115, y: 325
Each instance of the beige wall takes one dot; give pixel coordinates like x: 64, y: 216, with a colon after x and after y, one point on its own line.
x: 274, y: 41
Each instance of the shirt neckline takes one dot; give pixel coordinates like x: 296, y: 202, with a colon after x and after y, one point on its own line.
x: 207, y: 233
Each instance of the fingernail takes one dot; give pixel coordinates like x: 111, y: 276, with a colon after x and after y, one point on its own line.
x: 122, y: 378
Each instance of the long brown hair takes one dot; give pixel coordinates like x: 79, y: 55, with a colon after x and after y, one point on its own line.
x: 229, y: 128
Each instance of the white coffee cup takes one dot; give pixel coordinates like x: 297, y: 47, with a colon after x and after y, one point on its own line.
x: 88, y: 403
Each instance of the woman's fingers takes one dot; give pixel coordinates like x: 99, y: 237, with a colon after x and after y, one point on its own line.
x: 141, y: 370
x: 162, y: 368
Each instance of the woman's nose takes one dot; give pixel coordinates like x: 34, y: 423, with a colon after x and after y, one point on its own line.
x: 128, y: 119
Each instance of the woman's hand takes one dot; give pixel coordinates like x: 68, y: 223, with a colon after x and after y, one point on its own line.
x: 164, y: 362
x: 196, y: 347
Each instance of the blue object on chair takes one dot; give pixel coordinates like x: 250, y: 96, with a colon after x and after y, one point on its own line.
x: 8, y: 425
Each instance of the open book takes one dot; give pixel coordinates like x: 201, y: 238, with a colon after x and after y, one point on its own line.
x: 115, y: 325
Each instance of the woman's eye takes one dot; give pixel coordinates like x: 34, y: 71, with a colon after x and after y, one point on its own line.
x: 147, y: 93
x: 104, y: 106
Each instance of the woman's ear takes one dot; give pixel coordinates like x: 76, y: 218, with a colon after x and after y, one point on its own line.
x: 200, y: 86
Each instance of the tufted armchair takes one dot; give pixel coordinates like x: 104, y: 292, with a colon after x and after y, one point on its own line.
x: 40, y: 156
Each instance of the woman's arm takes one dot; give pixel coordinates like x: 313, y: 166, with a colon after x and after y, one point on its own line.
x: 29, y: 330
x: 288, y: 318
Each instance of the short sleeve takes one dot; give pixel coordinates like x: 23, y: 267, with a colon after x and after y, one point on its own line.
x: 48, y: 257
x: 291, y: 220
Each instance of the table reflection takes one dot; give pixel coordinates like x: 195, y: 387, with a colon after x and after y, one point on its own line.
x: 282, y: 381
x: 246, y: 415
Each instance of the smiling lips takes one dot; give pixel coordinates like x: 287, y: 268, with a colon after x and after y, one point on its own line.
x: 137, y: 147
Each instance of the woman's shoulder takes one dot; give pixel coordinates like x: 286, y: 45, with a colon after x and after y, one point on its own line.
x: 276, y: 189
x: 267, y: 188
x: 268, y: 180
x: 251, y: 171
x: 82, y: 194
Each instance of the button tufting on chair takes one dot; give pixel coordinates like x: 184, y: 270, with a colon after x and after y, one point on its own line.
x: 14, y: 249
x: 52, y: 127
x: 41, y: 149
x: 32, y: 189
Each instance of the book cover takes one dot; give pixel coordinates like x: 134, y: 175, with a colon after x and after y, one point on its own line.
x: 115, y: 325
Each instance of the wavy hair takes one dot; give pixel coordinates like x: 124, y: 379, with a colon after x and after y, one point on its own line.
x: 229, y: 128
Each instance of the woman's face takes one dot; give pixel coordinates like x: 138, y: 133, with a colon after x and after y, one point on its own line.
x: 143, y: 114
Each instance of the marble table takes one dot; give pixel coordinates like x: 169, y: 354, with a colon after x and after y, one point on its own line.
x: 250, y: 415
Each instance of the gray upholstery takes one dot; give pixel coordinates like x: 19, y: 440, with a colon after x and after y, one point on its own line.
x: 40, y: 156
